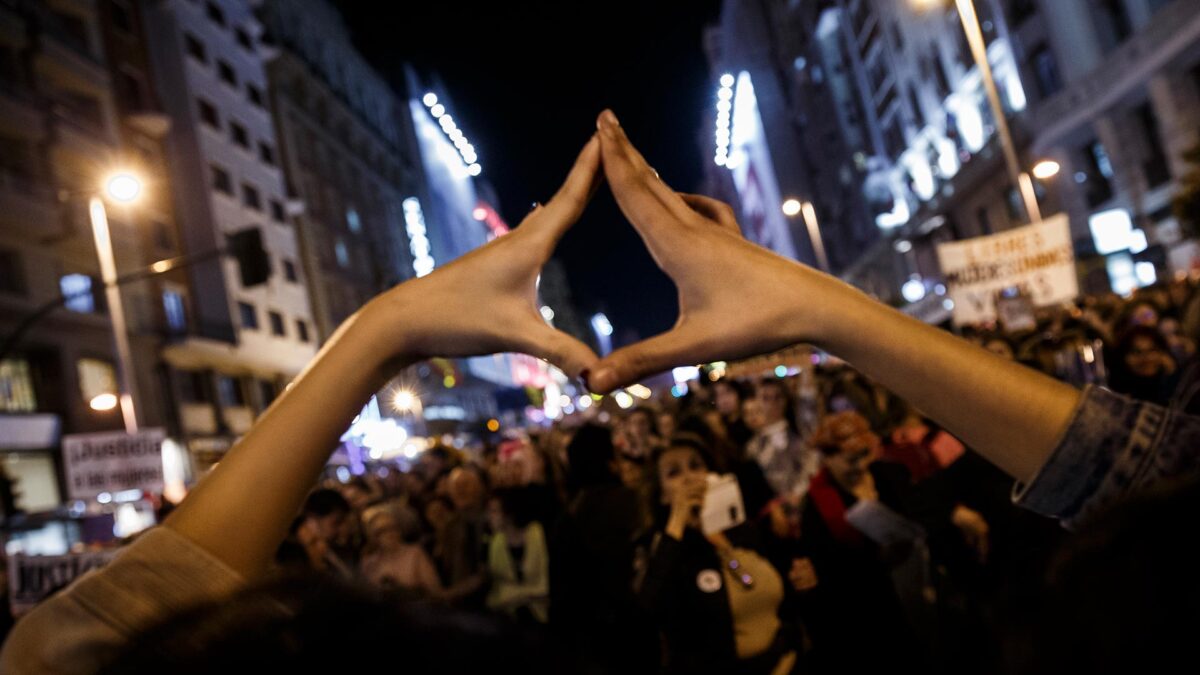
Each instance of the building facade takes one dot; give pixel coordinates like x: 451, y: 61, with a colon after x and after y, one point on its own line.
x: 243, y: 344
x: 345, y: 157
x: 1103, y: 88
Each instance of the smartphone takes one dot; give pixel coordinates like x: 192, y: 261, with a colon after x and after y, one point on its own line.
x: 723, y: 507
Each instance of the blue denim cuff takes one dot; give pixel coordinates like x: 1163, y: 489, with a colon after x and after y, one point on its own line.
x: 1088, y: 469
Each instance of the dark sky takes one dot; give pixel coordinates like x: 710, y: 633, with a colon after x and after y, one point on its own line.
x: 526, y: 81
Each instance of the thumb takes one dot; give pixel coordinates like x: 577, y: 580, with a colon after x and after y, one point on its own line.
x: 648, y: 357
x: 568, y: 354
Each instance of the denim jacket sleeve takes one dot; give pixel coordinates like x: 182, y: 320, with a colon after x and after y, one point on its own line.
x: 1113, y: 446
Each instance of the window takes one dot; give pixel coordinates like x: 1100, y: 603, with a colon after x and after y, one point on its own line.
x: 96, y: 377
x: 162, y: 235
x: 173, y: 310
x: 244, y: 39
x: 208, y: 113
x: 129, y: 90
x: 1045, y: 71
x: 266, y: 153
x: 276, y: 323
x: 192, y: 387
x: 16, y: 387
x: 238, y: 133
x: 343, y: 255
x: 1155, y: 165
x: 226, y: 73
x: 277, y: 212
x: 250, y: 197
x: 12, y: 274
x: 195, y: 48
x: 214, y: 13
x: 229, y: 392
x: 302, y: 330
x: 255, y: 95
x: 77, y: 289
x: 248, y: 315
x: 121, y: 18
x: 221, y: 180
x: 985, y: 221
x: 266, y: 393
x: 289, y: 271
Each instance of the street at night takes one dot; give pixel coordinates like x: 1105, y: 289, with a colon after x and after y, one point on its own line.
x: 731, y: 336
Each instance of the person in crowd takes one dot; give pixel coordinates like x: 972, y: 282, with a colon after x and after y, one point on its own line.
x: 728, y: 398
x: 360, y: 492
x: 1075, y: 454
x: 592, y: 607
x: 518, y: 564
x: 1142, y: 366
x: 728, y: 458
x: 464, y: 543
x: 329, y: 533
x: 393, y: 557
x: 715, y: 599
x: 640, y: 433
x: 1183, y: 348
x: 665, y: 423
x: 777, y: 446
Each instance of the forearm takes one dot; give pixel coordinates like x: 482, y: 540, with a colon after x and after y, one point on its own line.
x: 1012, y: 415
x: 240, y: 512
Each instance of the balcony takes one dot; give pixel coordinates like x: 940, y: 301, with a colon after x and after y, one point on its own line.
x: 1172, y: 31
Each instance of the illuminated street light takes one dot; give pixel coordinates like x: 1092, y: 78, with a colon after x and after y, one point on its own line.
x: 791, y: 207
x: 123, y: 187
x: 1047, y: 168
x: 913, y: 290
x: 406, y: 401
x: 103, y: 402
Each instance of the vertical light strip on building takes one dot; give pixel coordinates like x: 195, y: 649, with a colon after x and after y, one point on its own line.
x: 418, y: 241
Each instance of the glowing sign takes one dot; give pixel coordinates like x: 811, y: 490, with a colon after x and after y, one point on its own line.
x: 418, y: 241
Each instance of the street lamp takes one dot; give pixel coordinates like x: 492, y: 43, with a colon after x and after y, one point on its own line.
x: 122, y: 187
x: 793, y: 207
x: 970, y: 22
x: 1047, y: 168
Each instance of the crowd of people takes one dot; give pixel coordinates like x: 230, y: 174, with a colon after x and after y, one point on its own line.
x: 874, y: 527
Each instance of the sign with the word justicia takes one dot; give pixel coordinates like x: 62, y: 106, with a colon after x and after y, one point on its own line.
x: 1037, y: 259
x: 112, y: 462
x: 33, y: 577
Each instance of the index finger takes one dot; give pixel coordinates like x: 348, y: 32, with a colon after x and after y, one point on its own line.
x: 644, y: 199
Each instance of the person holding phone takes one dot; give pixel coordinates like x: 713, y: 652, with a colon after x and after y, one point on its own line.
x: 714, y: 597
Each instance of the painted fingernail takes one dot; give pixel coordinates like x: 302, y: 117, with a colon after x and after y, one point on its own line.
x: 534, y: 206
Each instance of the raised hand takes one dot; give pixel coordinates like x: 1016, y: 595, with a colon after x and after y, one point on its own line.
x: 736, y: 299
x: 486, y: 301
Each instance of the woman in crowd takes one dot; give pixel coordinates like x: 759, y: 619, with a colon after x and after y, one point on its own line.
x: 518, y: 564
x: 394, y: 557
x: 1074, y: 453
x: 777, y: 446
x: 1142, y: 366
x: 715, y: 598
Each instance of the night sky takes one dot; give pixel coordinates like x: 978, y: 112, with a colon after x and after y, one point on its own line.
x: 526, y: 82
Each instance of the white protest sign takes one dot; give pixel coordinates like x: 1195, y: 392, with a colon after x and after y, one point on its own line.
x: 1040, y: 258
x: 112, y: 462
x: 32, y: 577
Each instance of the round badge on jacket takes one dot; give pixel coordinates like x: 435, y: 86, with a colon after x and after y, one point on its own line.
x: 708, y: 581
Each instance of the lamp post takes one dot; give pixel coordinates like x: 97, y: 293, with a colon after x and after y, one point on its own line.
x: 793, y: 207
x: 123, y: 188
x: 1019, y: 178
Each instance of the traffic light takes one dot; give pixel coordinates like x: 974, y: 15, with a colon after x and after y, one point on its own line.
x: 253, y: 262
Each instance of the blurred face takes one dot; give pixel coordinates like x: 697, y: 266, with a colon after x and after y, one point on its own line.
x: 752, y: 414
x: 358, y: 497
x: 638, y: 425
x: 773, y: 403
x: 465, y: 489
x: 666, y: 424
x: 384, y: 531
x: 727, y: 400
x: 1169, y: 327
x: 495, y: 515
x: 674, y: 466
x: 438, y: 514
x: 855, y: 446
x: 1144, y: 315
x: 631, y: 471
x: 1144, y: 359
